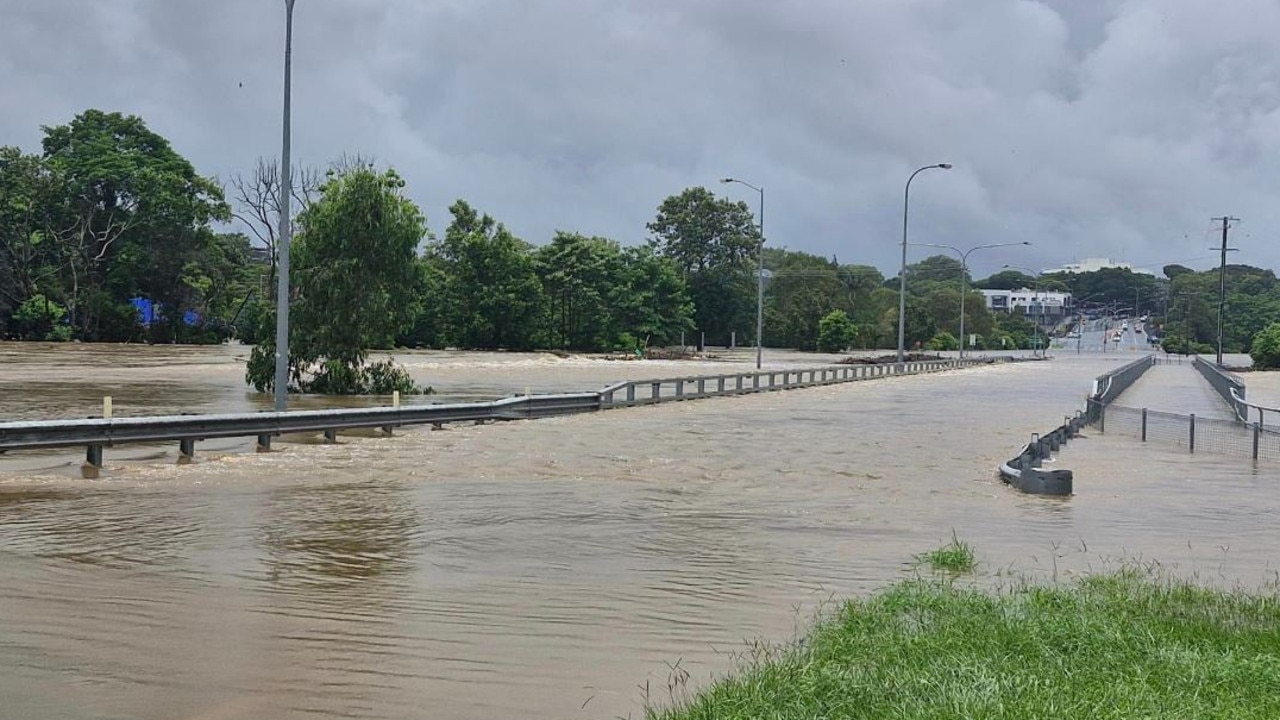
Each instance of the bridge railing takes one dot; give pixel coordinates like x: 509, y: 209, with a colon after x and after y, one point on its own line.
x: 1229, y: 387
x: 1108, y: 386
x: 647, y: 392
x: 1268, y: 417
x: 94, y: 434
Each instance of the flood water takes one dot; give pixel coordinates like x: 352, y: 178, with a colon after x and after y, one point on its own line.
x: 545, y: 569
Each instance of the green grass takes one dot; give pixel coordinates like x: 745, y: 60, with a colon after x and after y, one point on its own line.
x: 1124, y: 644
x: 956, y: 556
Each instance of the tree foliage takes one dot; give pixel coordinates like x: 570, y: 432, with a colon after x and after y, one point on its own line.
x: 490, y: 295
x: 1266, y: 348
x: 836, y: 332
x: 107, y: 213
x: 353, y: 275
x: 713, y: 243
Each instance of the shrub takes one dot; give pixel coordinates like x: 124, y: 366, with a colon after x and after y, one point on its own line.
x: 943, y: 341
x: 836, y: 332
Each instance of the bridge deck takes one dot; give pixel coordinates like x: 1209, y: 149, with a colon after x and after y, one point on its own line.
x: 1176, y: 389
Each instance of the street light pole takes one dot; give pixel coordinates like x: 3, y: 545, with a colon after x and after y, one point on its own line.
x: 282, y: 248
x: 759, y: 272
x: 902, y: 273
x: 964, y: 273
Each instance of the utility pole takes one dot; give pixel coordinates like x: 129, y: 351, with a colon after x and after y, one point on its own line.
x: 1222, y: 277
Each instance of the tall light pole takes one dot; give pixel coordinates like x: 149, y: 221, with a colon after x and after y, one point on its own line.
x: 282, y: 248
x: 964, y: 274
x: 1037, y: 297
x: 759, y: 271
x: 902, y: 273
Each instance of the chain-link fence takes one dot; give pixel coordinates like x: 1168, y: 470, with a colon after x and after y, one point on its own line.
x: 1195, y: 434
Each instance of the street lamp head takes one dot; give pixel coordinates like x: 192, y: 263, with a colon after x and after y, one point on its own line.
x: 726, y: 180
x: 944, y: 166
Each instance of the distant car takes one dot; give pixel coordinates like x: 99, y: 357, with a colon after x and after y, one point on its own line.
x: 1137, y: 331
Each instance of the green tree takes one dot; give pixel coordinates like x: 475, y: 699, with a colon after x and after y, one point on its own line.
x: 134, y: 213
x: 577, y: 273
x: 650, y: 303
x: 353, y: 273
x: 491, y: 296
x: 803, y: 288
x: 1266, y: 348
x: 30, y: 261
x: 1006, y: 280
x: 712, y: 241
x: 836, y: 332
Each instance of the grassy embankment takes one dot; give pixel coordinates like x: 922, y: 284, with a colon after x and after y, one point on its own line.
x: 1131, y: 643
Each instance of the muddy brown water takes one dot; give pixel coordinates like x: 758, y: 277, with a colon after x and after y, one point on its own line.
x: 544, y: 569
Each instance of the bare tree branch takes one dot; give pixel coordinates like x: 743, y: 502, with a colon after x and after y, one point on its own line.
x: 257, y: 197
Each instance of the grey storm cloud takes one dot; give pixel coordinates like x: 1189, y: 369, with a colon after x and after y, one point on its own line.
x: 1103, y: 128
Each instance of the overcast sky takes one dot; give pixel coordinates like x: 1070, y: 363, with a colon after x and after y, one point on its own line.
x: 1106, y: 128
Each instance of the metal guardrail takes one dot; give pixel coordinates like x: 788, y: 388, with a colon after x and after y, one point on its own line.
x: 1229, y: 387
x: 1108, y: 386
x: 1262, y: 410
x: 96, y: 433
x: 646, y: 392
x: 1025, y: 471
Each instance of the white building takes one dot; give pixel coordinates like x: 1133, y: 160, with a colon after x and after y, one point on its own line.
x: 1047, y: 304
x: 1096, y: 264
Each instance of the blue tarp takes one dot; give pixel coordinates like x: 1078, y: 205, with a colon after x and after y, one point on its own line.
x: 149, y: 312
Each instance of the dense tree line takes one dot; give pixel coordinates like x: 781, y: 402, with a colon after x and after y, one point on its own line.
x: 108, y: 234
x: 1188, y: 307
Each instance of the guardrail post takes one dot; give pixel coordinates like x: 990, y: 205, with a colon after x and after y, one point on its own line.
x: 264, y: 443
x: 631, y: 393
x: 1144, y: 424
x: 331, y: 436
x: 607, y: 397
x: 186, y: 450
x: 755, y: 381
x: 720, y: 384
x: 92, y: 462
x: 1192, y: 440
x: 679, y: 388
x: 771, y: 380
x: 702, y: 386
x: 1257, y: 439
x: 738, y: 382
x: 657, y: 391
